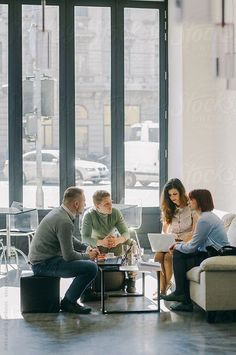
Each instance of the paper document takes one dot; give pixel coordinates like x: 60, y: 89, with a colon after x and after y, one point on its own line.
x: 149, y: 265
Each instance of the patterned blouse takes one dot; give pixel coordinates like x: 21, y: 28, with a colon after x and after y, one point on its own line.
x: 182, y: 222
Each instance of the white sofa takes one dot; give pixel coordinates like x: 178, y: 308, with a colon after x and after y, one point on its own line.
x: 213, y: 283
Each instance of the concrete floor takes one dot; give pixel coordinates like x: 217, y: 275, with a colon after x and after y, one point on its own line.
x: 154, y: 333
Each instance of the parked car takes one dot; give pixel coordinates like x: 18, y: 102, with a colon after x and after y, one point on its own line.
x: 137, y: 166
x: 85, y: 170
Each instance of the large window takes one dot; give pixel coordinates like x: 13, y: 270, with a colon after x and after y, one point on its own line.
x: 40, y: 61
x: 87, y: 91
x: 92, y: 96
x: 4, y: 173
x: 141, y: 44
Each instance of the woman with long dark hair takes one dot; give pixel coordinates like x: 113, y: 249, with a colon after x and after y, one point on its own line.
x: 209, y: 232
x: 177, y: 218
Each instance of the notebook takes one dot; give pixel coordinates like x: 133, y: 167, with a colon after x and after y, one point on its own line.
x: 161, y: 241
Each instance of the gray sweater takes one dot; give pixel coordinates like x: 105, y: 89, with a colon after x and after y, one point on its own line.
x: 54, y: 237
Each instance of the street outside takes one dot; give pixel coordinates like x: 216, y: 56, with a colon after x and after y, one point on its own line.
x: 139, y: 195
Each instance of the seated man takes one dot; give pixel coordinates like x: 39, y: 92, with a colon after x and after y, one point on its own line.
x: 54, y: 250
x: 99, y: 229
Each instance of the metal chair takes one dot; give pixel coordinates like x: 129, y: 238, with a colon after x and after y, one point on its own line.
x: 2, y: 255
x: 133, y: 218
x: 23, y: 224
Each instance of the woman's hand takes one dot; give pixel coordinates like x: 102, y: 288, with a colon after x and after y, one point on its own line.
x: 177, y: 238
x: 172, y: 248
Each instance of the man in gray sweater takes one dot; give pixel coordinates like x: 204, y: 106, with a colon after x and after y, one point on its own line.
x: 54, y: 250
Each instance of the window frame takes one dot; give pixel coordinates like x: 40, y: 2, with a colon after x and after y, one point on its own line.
x: 67, y: 91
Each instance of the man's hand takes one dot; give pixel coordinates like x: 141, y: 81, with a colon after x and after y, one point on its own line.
x: 113, y: 241
x: 110, y: 241
x: 106, y: 242
x: 93, y: 253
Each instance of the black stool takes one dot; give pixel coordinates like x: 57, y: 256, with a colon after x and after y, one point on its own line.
x: 39, y: 294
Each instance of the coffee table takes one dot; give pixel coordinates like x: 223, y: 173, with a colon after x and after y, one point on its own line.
x: 130, y: 268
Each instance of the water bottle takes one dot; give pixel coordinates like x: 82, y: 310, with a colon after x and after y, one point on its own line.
x: 134, y: 253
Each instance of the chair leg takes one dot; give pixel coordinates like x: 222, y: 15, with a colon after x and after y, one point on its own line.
x: 3, y: 254
x: 21, y: 253
x: 13, y: 250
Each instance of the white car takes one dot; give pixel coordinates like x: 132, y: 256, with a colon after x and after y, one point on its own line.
x: 85, y: 170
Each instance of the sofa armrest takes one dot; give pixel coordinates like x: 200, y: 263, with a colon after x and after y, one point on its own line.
x: 219, y: 263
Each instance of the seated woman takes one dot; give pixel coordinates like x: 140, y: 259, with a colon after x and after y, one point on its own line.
x: 209, y: 232
x: 178, y: 219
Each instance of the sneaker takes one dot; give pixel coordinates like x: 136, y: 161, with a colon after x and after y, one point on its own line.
x: 92, y: 296
x: 67, y: 306
x: 173, y: 297
x: 131, y: 286
x: 184, y: 307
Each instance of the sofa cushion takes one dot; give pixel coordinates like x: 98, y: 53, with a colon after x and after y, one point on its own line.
x: 194, y: 274
x: 227, y: 220
x: 231, y: 233
x: 219, y: 263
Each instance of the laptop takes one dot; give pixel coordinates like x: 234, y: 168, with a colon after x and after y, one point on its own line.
x: 116, y: 261
x: 161, y: 241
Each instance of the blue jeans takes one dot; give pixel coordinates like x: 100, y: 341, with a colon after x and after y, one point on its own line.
x: 83, y: 271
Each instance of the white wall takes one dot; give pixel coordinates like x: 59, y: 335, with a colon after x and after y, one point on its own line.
x: 205, y: 120
x: 175, y: 134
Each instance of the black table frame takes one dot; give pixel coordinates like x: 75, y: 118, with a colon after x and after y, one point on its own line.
x: 105, y: 268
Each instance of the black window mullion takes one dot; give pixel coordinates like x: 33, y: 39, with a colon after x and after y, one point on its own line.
x: 163, y: 153
x: 67, y: 96
x: 117, y: 102
x: 15, y: 101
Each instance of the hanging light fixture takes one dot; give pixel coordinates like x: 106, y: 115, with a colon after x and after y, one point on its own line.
x: 231, y: 81
x: 225, y: 49
x: 43, y: 3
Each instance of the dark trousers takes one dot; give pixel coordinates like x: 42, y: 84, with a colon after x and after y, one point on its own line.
x: 83, y: 271
x: 181, y: 264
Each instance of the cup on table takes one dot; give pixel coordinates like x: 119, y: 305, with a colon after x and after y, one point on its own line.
x: 124, y: 253
x: 110, y: 255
